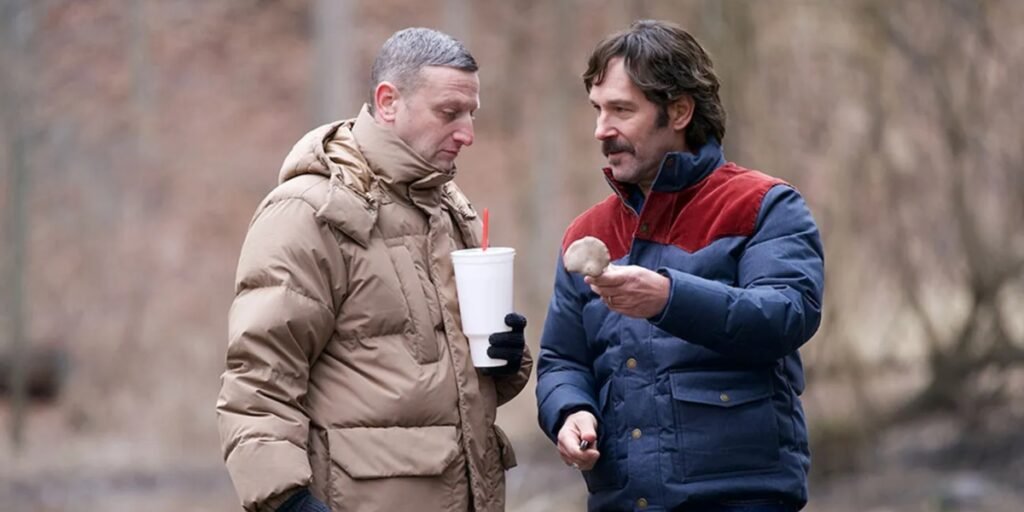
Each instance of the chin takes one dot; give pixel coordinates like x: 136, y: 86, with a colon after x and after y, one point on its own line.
x: 443, y: 161
x: 623, y: 175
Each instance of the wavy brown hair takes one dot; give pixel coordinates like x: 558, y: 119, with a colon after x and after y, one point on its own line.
x: 665, y: 62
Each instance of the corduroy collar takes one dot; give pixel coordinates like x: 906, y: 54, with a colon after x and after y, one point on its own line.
x: 678, y: 170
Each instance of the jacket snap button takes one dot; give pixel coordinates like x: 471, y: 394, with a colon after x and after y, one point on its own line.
x: 637, y: 433
x: 631, y: 363
x: 642, y: 503
x: 723, y: 397
x: 643, y: 227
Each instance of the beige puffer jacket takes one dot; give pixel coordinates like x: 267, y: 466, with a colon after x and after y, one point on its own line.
x: 347, y: 369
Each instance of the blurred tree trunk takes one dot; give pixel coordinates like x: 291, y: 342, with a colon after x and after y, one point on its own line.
x: 457, y: 16
x: 638, y: 10
x: 515, y: 62
x: 731, y: 28
x: 146, y: 113
x: 143, y: 71
x: 17, y: 35
x: 335, y: 93
x: 544, y: 195
x: 516, y: 51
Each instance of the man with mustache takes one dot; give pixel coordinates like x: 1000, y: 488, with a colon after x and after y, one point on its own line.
x: 349, y: 383
x: 672, y: 380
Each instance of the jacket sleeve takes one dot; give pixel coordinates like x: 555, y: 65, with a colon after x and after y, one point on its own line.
x: 565, y: 380
x: 776, y: 306
x: 280, y: 320
x: 507, y: 387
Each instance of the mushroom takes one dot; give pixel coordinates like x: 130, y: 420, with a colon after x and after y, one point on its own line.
x: 588, y: 256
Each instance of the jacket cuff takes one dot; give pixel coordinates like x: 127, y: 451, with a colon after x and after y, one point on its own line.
x: 570, y: 412
x: 267, y: 472
x: 694, y: 303
x: 569, y: 400
x: 671, y: 292
x: 276, y: 503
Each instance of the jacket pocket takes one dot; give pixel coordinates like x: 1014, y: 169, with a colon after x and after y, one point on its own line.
x: 725, y: 422
x: 607, y: 472
x: 366, y: 453
x: 397, y: 469
x: 508, y: 455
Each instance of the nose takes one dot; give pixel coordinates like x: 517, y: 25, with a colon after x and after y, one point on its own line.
x: 604, y: 130
x: 464, y: 134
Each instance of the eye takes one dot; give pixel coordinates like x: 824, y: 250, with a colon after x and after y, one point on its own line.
x: 450, y: 114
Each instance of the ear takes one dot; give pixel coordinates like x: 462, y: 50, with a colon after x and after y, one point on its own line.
x: 680, y: 112
x: 385, y: 99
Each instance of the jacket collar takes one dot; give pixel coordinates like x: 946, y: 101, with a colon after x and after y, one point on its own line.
x: 678, y: 170
x: 395, y: 163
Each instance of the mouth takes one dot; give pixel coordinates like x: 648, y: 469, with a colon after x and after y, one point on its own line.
x: 614, y: 148
x: 616, y: 157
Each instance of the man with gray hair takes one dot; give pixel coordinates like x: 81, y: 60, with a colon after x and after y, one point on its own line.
x: 349, y: 383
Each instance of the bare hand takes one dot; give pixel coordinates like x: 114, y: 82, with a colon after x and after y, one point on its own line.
x: 631, y: 290
x: 578, y: 427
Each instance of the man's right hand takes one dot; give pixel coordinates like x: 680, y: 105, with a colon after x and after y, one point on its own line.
x: 578, y: 427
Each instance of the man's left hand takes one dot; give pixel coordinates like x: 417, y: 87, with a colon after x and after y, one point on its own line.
x: 508, y: 345
x: 631, y: 290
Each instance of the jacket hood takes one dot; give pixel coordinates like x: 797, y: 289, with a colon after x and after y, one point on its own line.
x: 325, y: 151
x: 308, y: 155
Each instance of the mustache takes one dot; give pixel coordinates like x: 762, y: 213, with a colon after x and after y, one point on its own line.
x: 616, y: 145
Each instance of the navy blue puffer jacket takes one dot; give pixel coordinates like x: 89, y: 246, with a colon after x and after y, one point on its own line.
x: 701, y: 403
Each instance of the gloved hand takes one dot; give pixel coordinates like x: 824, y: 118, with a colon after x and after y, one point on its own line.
x: 508, y: 346
x: 303, y: 501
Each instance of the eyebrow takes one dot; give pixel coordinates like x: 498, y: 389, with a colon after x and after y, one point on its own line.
x: 460, y: 104
x: 617, y: 103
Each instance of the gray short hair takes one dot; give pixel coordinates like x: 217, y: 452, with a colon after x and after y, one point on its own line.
x: 408, y: 50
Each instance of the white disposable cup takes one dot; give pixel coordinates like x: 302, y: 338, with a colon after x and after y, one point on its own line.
x: 483, y: 280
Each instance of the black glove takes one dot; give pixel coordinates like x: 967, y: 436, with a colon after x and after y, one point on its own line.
x: 508, y: 346
x: 303, y: 501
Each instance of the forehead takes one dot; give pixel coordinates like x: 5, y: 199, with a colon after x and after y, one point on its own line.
x: 437, y: 83
x: 615, y: 85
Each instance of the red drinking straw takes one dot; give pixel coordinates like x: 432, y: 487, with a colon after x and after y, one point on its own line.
x: 487, y: 223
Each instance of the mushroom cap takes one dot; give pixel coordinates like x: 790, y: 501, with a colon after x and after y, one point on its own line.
x: 588, y: 256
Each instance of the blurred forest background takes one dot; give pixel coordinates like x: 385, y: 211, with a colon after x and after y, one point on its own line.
x: 137, y: 137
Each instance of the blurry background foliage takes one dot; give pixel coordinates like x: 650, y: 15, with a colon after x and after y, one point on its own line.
x: 137, y: 137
